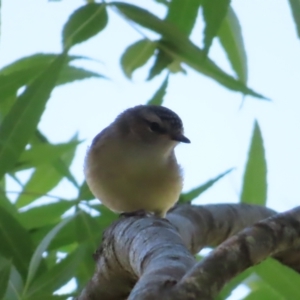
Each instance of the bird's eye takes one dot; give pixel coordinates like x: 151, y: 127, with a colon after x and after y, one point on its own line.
x: 155, y: 127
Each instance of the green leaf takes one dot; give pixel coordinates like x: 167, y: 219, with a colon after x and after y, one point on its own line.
x: 295, y: 7
x: 214, y: 12
x: 57, y: 276
x: 87, y: 266
x: 107, y: 216
x: 21, y: 121
x: 9, y: 84
x: 47, y: 296
x: 254, y: 189
x: 264, y: 292
x: 7, y: 205
x: 61, y: 165
x: 233, y: 284
x: 165, y: 2
x: 150, y: 21
x: 79, y: 231
x: 231, y: 39
x: 42, y: 247
x: 44, y: 179
x: 64, y: 238
x: 87, y: 228
x: 25, y: 70
x: 85, y: 192
x: 51, y: 214
x: 183, y: 14
x: 63, y: 169
x: 158, y: 97
x: 44, y: 153
x: 16, y: 243
x: 4, y: 277
x: 36, y: 62
x: 180, y: 48
x: 137, y: 55
x: 6, y: 105
x: 162, y: 60
x: 72, y: 235
x: 189, y: 196
x: 282, y: 279
x: 84, y: 23
x: 15, y: 286
x: 71, y: 74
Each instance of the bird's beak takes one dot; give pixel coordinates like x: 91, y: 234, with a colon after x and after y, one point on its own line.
x: 180, y: 138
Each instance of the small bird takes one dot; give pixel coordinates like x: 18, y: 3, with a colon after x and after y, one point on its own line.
x: 131, y: 164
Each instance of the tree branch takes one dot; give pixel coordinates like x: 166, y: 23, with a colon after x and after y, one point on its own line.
x: 150, y: 254
x: 275, y: 236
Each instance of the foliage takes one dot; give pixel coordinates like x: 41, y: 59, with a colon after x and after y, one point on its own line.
x: 35, y: 237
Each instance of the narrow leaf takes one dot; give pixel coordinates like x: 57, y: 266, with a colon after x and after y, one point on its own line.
x: 260, y: 289
x: 189, y: 196
x: 282, y: 279
x: 44, y: 153
x: 233, y: 284
x: 21, y: 121
x: 65, y: 237
x: 85, y: 192
x: 7, y: 205
x: 57, y: 276
x: 16, y: 243
x: 51, y: 214
x: 44, y: 179
x: 24, y: 70
x: 87, y: 266
x: 180, y: 48
x: 295, y: 7
x: 158, y: 97
x: 15, y: 286
x: 214, y: 12
x: 164, y: 2
x: 47, y: 296
x: 107, y: 216
x: 42, y: 247
x: 71, y: 74
x: 9, y: 84
x: 84, y: 23
x: 230, y: 36
x: 263, y: 292
x: 183, y: 14
x: 150, y: 21
x: 4, y: 277
x: 136, y: 56
x: 87, y: 228
x: 63, y: 169
x: 162, y: 60
x: 61, y: 165
x: 207, y: 67
x: 37, y: 62
x: 254, y: 189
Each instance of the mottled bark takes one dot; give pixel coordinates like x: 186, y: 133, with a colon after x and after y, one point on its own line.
x: 152, y: 258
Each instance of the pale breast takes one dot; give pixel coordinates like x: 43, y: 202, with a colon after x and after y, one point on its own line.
x: 130, y: 184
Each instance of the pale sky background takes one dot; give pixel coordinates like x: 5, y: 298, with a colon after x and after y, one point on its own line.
x: 218, y: 127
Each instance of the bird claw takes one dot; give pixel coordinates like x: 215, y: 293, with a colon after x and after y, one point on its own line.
x: 136, y: 213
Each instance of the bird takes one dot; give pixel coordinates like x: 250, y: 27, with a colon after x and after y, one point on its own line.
x: 131, y: 164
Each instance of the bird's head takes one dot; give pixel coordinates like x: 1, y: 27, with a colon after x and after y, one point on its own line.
x: 152, y: 125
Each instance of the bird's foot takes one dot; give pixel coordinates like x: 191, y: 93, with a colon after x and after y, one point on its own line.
x: 136, y: 213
